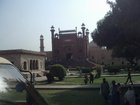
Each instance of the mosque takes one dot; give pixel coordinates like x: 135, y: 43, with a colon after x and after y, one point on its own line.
x: 70, y: 47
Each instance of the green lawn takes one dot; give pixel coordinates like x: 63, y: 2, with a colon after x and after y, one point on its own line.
x: 12, y: 95
x: 63, y: 97
x: 72, y: 97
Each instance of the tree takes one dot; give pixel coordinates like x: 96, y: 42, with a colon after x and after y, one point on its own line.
x: 119, y: 29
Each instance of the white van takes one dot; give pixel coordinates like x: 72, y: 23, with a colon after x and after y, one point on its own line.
x: 14, y: 87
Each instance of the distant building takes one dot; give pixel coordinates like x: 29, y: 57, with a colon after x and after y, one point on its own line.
x: 70, y: 46
x: 48, y: 55
x: 103, y: 56
x: 32, y: 61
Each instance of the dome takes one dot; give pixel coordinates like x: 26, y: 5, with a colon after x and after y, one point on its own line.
x: 41, y: 35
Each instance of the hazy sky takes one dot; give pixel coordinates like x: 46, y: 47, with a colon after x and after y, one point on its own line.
x: 23, y: 21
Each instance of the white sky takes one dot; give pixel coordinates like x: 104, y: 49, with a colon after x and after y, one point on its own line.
x: 23, y: 21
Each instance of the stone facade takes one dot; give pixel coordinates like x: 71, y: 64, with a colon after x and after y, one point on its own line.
x: 103, y: 56
x: 26, y: 60
x: 70, y: 45
x: 49, y: 55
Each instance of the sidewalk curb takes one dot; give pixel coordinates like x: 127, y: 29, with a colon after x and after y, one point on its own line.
x: 66, y: 87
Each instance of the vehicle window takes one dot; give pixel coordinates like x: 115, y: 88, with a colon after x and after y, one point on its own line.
x: 10, y: 84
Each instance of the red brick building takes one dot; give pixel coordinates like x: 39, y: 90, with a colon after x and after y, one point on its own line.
x: 70, y: 45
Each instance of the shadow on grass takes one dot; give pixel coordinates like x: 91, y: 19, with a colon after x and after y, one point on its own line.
x: 73, y: 97
x: 44, y: 82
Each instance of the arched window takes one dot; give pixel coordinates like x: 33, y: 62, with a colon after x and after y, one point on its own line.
x: 41, y: 65
x: 25, y: 65
x: 36, y: 63
x: 31, y: 65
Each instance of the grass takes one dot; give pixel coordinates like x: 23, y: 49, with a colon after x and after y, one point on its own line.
x: 77, y: 97
x: 61, y: 97
x: 12, y: 95
x: 73, y: 97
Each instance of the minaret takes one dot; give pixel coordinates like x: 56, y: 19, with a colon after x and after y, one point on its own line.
x: 52, y: 31
x: 41, y: 43
x: 87, y: 42
x: 52, y: 34
x: 83, y: 29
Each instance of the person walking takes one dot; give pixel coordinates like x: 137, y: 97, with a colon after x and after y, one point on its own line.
x: 105, y: 90
x: 91, y: 78
x: 129, y: 77
x: 86, y: 79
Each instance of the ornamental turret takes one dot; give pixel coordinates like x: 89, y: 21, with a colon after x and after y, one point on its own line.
x: 87, y: 32
x: 41, y: 43
x: 83, y: 29
x: 52, y: 31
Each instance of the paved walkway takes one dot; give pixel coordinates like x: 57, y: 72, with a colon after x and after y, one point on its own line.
x: 44, y: 77
x: 66, y: 87
x: 49, y: 86
x: 73, y: 87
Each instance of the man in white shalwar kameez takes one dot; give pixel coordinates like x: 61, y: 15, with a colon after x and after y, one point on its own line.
x: 130, y: 96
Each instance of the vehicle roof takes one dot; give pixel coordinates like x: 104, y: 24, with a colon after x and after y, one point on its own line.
x: 4, y: 61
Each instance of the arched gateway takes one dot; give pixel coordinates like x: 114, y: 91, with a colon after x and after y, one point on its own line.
x: 70, y: 45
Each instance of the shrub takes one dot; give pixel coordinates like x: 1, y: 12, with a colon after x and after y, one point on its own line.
x: 86, y: 70
x: 114, y: 68
x: 58, y: 70
x: 78, y: 68
x: 137, y: 68
x: 50, y: 77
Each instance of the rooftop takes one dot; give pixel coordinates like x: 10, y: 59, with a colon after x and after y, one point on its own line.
x: 21, y: 51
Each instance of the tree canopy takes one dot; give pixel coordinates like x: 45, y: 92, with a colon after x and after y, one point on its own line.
x: 119, y: 30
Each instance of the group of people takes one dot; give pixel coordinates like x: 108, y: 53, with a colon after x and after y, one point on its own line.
x: 89, y: 78
x: 113, y: 94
